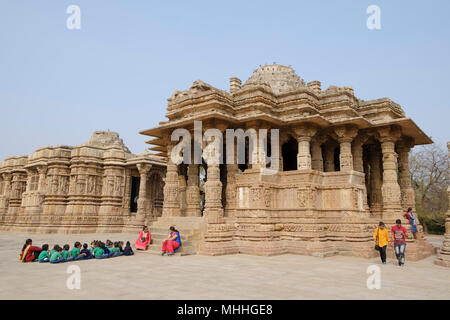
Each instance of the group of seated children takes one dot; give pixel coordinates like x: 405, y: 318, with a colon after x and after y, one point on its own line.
x: 98, y: 250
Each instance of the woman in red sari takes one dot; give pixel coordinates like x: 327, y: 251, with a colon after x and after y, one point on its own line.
x: 29, y: 253
x: 144, y: 239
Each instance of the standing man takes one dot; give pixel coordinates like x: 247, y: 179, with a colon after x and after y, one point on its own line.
x: 412, y: 221
x: 399, y: 236
x: 381, y: 237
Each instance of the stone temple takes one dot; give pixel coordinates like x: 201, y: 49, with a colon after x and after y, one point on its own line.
x: 342, y: 167
x: 93, y: 187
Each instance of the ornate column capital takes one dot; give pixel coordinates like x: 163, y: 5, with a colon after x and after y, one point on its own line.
x: 305, y: 132
x: 346, y: 133
x: 143, y: 168
x: 7, y: 176
x: 389, y: 133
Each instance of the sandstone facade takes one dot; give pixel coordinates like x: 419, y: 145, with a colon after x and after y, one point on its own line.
x: 343, y: 167
x: 92, y: 187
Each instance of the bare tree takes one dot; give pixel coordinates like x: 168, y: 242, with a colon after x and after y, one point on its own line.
x: 429, y: 166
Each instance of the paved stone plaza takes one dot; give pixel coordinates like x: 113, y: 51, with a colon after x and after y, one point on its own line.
x: 147, y: 276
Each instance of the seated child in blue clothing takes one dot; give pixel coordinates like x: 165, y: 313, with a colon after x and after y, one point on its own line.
x: 121, y: 247
x: 44, y: 256
x: 127, y: 251
x: 85, y: 251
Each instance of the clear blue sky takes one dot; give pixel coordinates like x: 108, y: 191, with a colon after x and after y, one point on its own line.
x: 57, y: 85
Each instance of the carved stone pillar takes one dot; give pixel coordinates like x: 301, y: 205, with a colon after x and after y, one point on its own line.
x: 171, y: 206
x: 4, y: 198
x: 317, y: 159
x: 213, y: 193
x: 443, y: 258
x: 304, y: 135
x: 407, y: 192
x: 345, y: 138
x: 42, y: 170
x: 182, y: 186
x: 376, y: 199
x: 193, y: 192
x: 390, y: 189
x: 142, y: 199
x: 29, y: 173
x: 357, y: 151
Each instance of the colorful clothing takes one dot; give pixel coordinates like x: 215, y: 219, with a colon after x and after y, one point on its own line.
x: 178, y: 238
x: 65, y: 254
x: 43, y: 255
x: 412, y: 221
x: 55, y: 256
x: 382, y: 237
x: 399, y: 234
x: 144, y: 240
x: 29, y: 254
x: 170, y: 245
x: 75, y: 252
x: 98, y: 252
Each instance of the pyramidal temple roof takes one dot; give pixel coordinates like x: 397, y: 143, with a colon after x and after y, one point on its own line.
x: 105, y: 140
x: 280, y: 78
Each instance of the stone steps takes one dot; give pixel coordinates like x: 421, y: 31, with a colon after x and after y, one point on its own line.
x: 188, y: 227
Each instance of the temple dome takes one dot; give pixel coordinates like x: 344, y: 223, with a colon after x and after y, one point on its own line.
x: 280, y: 78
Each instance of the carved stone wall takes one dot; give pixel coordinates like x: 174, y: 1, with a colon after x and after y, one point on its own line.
x: 76, y: 189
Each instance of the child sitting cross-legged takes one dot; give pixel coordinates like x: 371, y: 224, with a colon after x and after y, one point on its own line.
x: 76, y: 252
x: 56, y: 256
x: 44, y: 256
x: 109, y: 248
x: 127, y: 251
x: 116, y: 249
x: 86, y: 252
x: 66, y: 254
x: 100, y: 252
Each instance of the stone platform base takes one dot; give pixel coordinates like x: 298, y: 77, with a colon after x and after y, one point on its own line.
x: 443, y: 258
x: 415, y: 250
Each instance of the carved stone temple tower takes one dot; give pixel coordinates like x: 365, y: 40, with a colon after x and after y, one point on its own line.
x: 443, y: 258
x: 341, y: 167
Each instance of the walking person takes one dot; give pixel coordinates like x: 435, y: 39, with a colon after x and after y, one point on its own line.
x: 381, y: 237
x: 412, y: 221
x: 399, y: 236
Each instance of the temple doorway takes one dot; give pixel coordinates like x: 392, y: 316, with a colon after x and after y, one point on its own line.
x: 289, y: 150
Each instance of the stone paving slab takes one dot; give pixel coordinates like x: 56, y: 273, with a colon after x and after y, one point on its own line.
x: 146, y: 276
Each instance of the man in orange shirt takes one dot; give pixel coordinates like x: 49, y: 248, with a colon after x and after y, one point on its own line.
x: 381, y: 237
